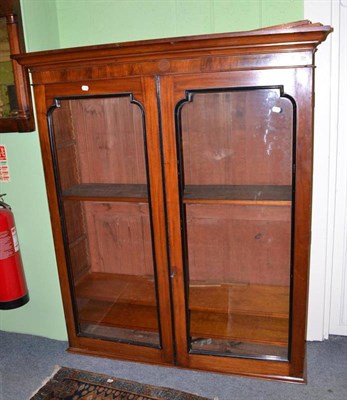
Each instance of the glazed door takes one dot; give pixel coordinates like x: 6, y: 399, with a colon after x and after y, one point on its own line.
x: 106, y: 158
x: 230, y: 174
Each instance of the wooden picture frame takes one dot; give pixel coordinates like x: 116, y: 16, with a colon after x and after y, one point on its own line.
x: 16, y: 112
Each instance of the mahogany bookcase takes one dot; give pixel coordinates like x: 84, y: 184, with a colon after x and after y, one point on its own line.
x: 179, y: 180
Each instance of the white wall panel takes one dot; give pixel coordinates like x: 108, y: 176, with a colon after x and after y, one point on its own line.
x: 338, y: 305
x: 328, y: 294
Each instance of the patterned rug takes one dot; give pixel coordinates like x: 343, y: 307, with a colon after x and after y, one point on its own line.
x: 73, y: 384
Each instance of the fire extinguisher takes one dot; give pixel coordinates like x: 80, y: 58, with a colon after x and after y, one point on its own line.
x: 13, y: 288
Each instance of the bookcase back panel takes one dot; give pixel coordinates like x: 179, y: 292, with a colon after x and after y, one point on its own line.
x: 100, y: 140
x: 239, y: 244
x: 241, y: 137
x: 111, y: 140
x: 120, y: 238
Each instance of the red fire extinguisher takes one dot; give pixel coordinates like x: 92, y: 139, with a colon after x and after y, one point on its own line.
x: 13, y: 288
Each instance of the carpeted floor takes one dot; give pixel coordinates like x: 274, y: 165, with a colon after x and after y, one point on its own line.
x: 25, y: 361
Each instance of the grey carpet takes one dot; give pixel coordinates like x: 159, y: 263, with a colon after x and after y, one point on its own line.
x: 25, y: 361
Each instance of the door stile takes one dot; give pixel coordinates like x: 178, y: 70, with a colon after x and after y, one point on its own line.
x: 41, y: 110
x: 177, y: 273
x: 158, y: 216
x: 302, y: 223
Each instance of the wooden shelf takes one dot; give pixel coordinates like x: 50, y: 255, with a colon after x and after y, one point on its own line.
x: 257, y: 300
x: 241, y: 299
x: 244, y: 328
x: 238, y: 194
x: 228, y: 194
x: 107, y: 192
x: 144, y: 337
x: 118, y: 288
x: 239, y: 348
x: 122, y: 315
x: 248, y: 313
x: 221, y: 326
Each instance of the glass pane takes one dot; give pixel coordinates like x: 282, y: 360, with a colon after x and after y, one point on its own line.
x: 102, y: 140
x: 8, y: 100
x: 236, y: 184
x: 102, y: 167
